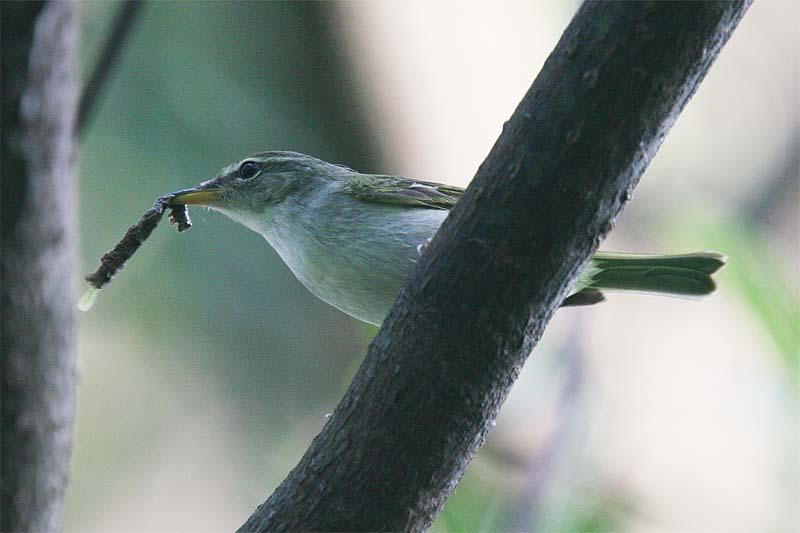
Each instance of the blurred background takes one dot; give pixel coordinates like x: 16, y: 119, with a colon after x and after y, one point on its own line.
x: 206, y: 368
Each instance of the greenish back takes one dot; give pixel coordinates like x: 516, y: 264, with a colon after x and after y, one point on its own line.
x: 394, y: 190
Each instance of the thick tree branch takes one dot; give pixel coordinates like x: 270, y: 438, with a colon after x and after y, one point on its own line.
x: 38, y: 234
x: 481, y: 296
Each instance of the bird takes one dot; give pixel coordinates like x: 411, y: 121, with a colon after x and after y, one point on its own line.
x: 352, y: 239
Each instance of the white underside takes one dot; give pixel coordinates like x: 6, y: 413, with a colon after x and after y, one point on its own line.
x: 355, y: 256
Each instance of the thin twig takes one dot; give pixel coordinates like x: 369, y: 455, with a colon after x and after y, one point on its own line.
x: 541, y: 469
x: 114, y: 260
x: 111, y: 49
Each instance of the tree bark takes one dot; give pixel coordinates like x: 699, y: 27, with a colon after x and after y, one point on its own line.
x: 38, y: 236
x: 480, y: 297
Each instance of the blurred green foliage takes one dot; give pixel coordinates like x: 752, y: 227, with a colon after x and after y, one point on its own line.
x: 766, y: 289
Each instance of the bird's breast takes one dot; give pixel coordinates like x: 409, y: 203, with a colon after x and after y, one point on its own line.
x: 357, y: 256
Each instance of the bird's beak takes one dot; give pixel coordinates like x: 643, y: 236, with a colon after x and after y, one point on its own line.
x: 202, y: 195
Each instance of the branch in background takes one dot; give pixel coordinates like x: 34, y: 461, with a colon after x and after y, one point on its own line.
x: 527, y: 511
x: 110, y: 52
x: 479, y: 299
x: 38, y: 262
x: 780, y: 188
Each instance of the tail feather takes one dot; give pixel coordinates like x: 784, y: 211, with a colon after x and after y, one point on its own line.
x: 708, y: 262
x: 669, y: 280
x: 678, y: 275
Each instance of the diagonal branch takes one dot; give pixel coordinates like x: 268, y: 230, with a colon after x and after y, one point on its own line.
x: 478, y: 301
x: 123, y: 23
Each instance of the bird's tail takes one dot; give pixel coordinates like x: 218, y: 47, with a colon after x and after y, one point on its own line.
x: 676, y: 275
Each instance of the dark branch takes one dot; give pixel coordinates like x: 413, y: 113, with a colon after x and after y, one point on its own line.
x: 479, y: 299
x: 38, y: 339
x: 123, y: 23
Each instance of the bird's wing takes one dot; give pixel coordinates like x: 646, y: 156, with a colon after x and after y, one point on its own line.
x: 393, y: 190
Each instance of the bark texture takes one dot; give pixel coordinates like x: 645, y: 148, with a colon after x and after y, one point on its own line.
x: 453, y: 344
x: 38, y: 258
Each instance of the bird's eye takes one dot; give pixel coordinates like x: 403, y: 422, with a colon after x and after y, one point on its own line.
x: 249, y: 169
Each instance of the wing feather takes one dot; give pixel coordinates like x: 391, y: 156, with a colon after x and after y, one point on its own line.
x: 394, y: 190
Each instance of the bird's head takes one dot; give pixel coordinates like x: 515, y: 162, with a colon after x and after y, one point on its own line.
x: 256, y: 184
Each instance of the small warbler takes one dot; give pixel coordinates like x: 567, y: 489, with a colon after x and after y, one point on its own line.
x: 352, y: 239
